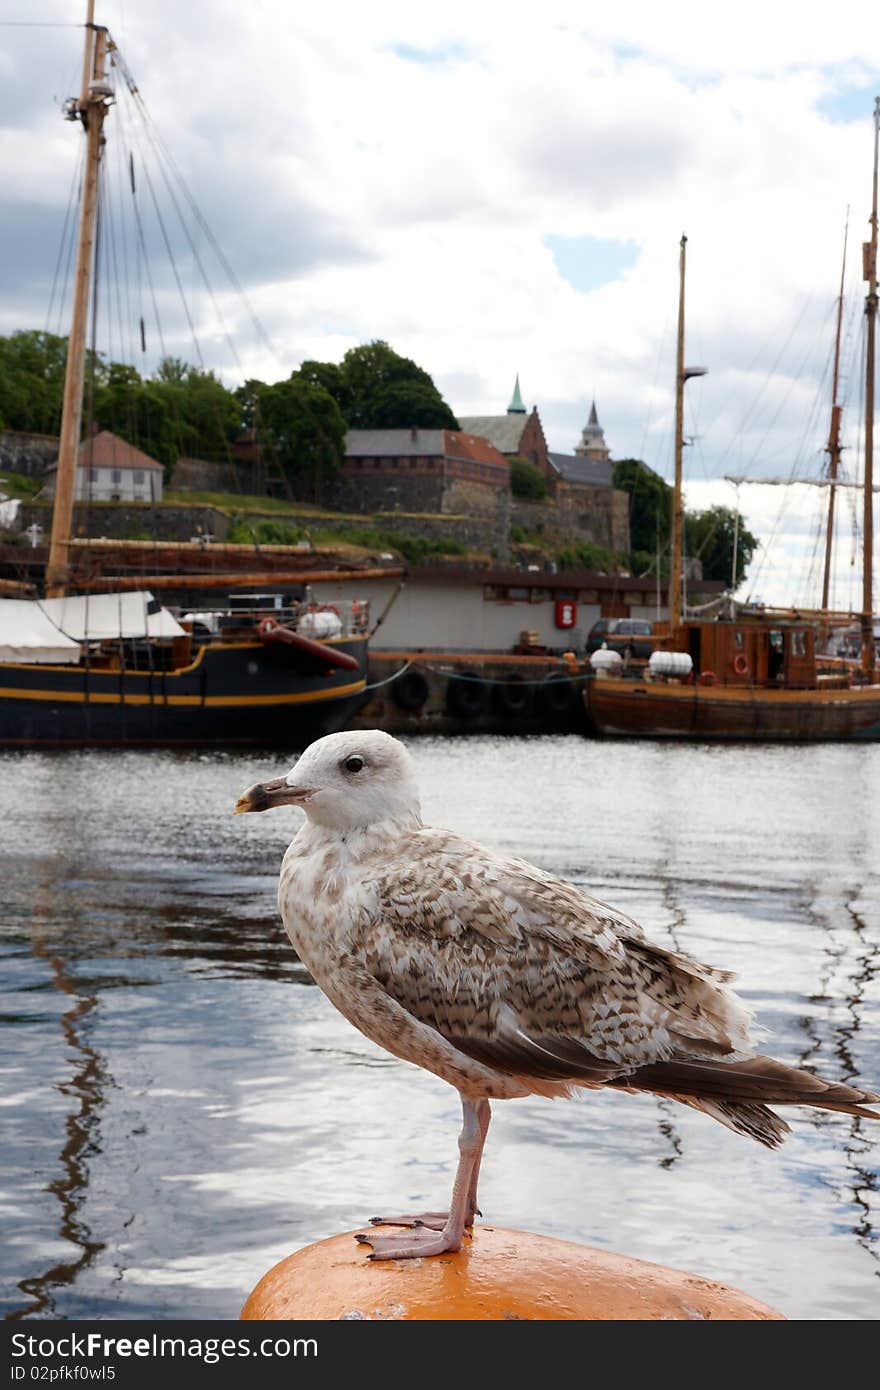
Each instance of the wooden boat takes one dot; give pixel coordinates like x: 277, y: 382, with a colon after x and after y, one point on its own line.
x: 754, y: 673
x: 120, y: 669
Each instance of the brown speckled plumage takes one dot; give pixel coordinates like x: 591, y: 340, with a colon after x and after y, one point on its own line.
x: 499, y: 977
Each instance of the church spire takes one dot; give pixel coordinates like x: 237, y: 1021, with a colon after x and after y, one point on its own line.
x: 592, y: 444
x: 516, y: 406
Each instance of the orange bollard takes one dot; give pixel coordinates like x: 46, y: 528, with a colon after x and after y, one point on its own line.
x: 497, y: 1275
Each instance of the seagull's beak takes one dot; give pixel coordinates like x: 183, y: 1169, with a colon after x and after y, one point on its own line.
x: 264, y: 796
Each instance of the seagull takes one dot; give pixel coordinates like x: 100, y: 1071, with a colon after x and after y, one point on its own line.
x: 498, y: 977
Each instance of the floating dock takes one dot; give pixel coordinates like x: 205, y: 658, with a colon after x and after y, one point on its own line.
x: 435, y: 691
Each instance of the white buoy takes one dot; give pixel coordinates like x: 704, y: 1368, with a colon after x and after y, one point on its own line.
x: 606, y: 662
x: 678, y: 664
x: 320, y: 625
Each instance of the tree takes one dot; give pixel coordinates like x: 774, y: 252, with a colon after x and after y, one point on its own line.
x: 248, y: 397
x: 709, y: 538
x: 650, y: 505
x: 32, y: 366
x: 304, y: 424
x: 376, y: 388
x: 526, y: 480
x: 138, y: 411
x: 330, y: 376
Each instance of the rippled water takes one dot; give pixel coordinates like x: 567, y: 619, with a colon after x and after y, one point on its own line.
x: 181, y: 1107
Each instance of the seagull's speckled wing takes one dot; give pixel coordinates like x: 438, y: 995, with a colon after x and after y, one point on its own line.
x: 528, y: 974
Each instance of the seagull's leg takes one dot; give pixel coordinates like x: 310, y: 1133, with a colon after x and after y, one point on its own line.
x: 484, y: 1116
x: 436, y: 1220
x: 422, y: 1239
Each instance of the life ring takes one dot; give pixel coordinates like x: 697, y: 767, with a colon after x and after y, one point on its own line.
x: 707, y: 678
x: 514, y: 697
x: 556, y: 695
x: 410, y: 691
x: 467, y: 697
x: 740, y: 664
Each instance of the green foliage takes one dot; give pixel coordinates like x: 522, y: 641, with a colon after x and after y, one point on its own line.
x: 709, y: 537
x: 583, y: 555
x: 526, y: 480
x: 643, y: 562
x: 650, y: 507
x: 329, y: 376
x: 264, y: 532
x: 179, y: 411
x: 248, y: 398
x: 414, y: 549
x: 19, y: 485
x: 182, y: 411
x: 32, y: 381
x: 376, y: 388
x: 303, y: 423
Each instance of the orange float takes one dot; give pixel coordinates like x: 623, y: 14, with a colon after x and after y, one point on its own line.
x: 497, y: 1276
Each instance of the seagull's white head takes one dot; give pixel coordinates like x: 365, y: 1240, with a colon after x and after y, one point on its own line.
x: 345, y: 781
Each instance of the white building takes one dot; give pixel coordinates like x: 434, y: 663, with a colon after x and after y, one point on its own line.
x: 111, y: 470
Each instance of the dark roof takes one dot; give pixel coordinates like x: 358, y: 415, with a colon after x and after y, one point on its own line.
x: 576, y: 469
x: 415, y: 442
x: 394, y: 443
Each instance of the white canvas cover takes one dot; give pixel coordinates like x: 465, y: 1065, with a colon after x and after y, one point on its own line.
x: 103, y: 617
x: 28, y: 635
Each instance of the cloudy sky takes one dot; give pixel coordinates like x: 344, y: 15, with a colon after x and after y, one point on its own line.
x: 493, y: 189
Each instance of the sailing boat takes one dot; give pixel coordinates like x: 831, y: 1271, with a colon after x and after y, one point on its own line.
x: 119, y: 668
x: 751, y: 674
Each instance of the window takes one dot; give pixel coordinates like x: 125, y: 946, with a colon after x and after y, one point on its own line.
x: 739, y: 640
x: 799, y: 643
x: 139, y: 475
x: 93, y: 475
x: 116, y: 475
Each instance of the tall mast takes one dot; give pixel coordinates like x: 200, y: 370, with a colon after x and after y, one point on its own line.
x: 833, y: 446
x: 682, y: 374
x: 675, y: 563
x: 90, y: 108
x: 869, y: 252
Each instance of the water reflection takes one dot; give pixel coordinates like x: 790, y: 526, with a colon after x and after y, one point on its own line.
x: 850, y: 962
x: 183, y: 1110
x: 85, y: 1089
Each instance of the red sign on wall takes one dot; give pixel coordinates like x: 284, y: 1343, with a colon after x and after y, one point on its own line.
x: 566, y: 612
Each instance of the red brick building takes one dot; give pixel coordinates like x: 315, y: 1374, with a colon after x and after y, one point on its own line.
x: 516, y: 434
x: 420, y: 470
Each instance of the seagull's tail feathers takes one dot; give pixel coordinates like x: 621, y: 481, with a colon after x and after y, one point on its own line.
x: 738, y: 1093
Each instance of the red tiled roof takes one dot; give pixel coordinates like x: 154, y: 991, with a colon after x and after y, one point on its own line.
x: 106, y: 450
x: 473, y: 447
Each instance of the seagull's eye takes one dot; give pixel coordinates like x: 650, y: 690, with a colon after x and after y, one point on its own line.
x: 353, y: 764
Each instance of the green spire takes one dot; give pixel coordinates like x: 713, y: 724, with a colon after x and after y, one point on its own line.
x: 516, y: 406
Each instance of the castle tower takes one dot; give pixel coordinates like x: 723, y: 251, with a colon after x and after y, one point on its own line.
x: 592, y: 445
x: 516, y: 406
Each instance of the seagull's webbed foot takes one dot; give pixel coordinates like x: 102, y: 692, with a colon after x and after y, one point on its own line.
x: 420, y: 1241
x: 436, y: 1232
x: 433, y: 1220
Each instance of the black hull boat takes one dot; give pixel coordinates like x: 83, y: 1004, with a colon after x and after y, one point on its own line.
x: 237, y: 693
x: 121, y: 669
